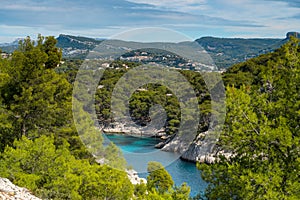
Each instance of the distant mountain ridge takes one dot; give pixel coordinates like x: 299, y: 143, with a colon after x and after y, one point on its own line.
x: 224, y: 51
x: 10, y: 47
x: 76, y: 46
x: 228, y: 51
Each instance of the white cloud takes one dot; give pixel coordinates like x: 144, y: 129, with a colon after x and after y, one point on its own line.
x: 23, y: 7
x: 266, y: 18
x: 253, y: 9
x: 176, y: 5
x: 33, y: 6
x: 11, y: 33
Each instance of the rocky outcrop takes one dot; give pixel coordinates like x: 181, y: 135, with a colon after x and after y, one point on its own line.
x: 194, y: 149
x: 134, y: 178
x: 165, y: 140
x: 160, y: 145
x: 197, y: 151
x: 192, y: 153
x: 128, y: 129
x: 177, y: 144
x: 9, y: 191
x: 131, y: 174
x: 188, y: 145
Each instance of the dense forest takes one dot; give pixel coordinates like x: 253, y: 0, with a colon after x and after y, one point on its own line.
x: 40, y: 148
x: 149, y: 95
x: 261, y: 130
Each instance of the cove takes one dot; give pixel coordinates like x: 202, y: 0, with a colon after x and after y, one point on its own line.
x: 139, y: 151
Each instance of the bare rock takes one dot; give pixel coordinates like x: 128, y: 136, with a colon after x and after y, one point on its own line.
x: 131, y: 129
x: 192, y: 153
x: 177, y: 145
x: 9, y: 191
x: 160, y: 145
x: 134, y: 178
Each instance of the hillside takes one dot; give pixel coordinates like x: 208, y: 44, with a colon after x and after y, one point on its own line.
x: 10, y: 47
x: 223, y: 51
x: 261, y: 130
x: 228, y: 51
x: 76, y: 46
x: 41, y: 149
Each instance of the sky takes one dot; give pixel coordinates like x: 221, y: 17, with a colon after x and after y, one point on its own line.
x: 104, y: 18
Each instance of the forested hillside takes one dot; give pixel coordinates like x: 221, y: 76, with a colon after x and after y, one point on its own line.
x: 229, y: 51
x: 40, y: 148
x: 149, y: 95
x: 261, y: 130
x: 224, y: 51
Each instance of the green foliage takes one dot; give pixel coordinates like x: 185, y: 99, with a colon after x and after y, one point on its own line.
x: 40, y: 147
x: 140, y: 190
x: 6, y: 135
x: 182, y: 192
x: 54, y: 173
x: 90, y: 137
x: 160, y: 185
x: 37, y: 97
x: 261, y: 131
x: 228, y: 51
x: 54, y: 54
x: 114, y: 157
x: 158, y: 179
x: 148, y: 95
x: 34, y: 99
x: 69, y: 68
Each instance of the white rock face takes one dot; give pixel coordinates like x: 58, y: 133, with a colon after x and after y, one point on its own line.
x: 9, y: 191
x: 134, y: 178
x: 130, y: 129
x: 180, y: 144
x: 177, y: 144
x: 193, y: 151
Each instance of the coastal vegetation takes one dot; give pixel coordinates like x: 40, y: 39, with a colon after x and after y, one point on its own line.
x: 261, y: 130
x: 149, y: 95
x: 40, y: 148
x: 224, y: 51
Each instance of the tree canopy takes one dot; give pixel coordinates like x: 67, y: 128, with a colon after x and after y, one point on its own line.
x: 261, y: 130
x: 41, y: 149
x: 54, y: 173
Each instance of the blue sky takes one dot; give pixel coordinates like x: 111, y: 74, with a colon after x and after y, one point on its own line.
x: 103, y: 18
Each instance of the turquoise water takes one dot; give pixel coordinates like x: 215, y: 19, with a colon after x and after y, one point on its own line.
x: 139, y: 151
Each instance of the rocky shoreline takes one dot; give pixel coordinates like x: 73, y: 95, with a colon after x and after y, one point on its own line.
x: 129, y: 129
x: 190, y: 152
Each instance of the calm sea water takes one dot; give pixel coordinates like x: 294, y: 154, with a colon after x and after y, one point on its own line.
x: 139, y: 151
